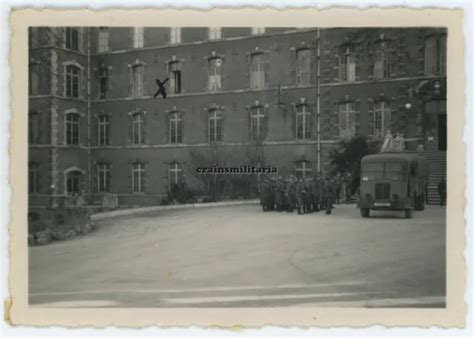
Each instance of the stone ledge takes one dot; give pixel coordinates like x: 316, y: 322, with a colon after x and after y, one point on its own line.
x: 142, y: 210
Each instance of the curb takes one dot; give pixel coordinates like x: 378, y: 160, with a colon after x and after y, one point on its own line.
x: 142, y: 210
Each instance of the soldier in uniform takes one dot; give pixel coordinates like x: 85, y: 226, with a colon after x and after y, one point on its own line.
x: 308, y: 196
x: 348, y: 179
x: 300, y: 195
x: 279, y: 194
x: 291, y: 193
x: 338, y: 185
x: 263, y: 193
x: 271, y: 194
x: 315, y: 193
x: 329, y: 192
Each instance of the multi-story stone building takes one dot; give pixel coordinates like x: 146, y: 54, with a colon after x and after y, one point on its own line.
x: 265, y: 96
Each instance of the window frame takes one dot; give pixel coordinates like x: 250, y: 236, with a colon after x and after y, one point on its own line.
x: 33, y: 178
x: 384, y: 125
x: 33, y: 128
x: 346, y: 110
x: 257, y: 30
x: 257, y: 120
x: 72, y: 129
x: 73, y: 81
x: 176, y: 127
x: 103, y: 136
x: 103, y: 177
x: 300, y: 71
x: 103, y: 40
x: 383, y: 50
x: 138, y: 178
x: 214, y: 33
x: 138, y: 80
x: 175, y: 35
x: 301, y: 172
x: 215, y: 125
x: 175, y: 76
x: 72, y: 38
x: 175, y: 173
x: 305, y: 116
x: 345, y: 73
x: 138, y: 37
x: 214, y: 79
x: 257, y: 71
x: 138, y: 120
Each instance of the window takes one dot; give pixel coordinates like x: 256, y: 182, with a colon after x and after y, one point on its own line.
x: 138, y: 77
x: 104, y: 130
x: 215, y: 74
x: 138, y: 34
x: 435, y: 55
x: 303, y: 169
x: 103, y: 40
x: 257, y: 71
x: 175, y: 35
x: 72, y: 38
x: 381, y: 119
x: 33, y: 83
x: 347, y: 123
x: 347, y: 65
x: 73, y: 183
x: 138, y: 177
x: 257, y: 123
x: 175, y: 173
x: 33, y: 177
x: 176, y: 126
x: 382, y: 66
x: 103, y: 177
x: 73, y: 76
x: 215, y: 33
x: 72, y: 129
x: 103, y: 82
x: 137, y: 129
x: 215, y: 125
x: 303, y: 66
x: 175, y: 77
x: 33, y: 128
x: 258, y: 30
x: 303, y: 122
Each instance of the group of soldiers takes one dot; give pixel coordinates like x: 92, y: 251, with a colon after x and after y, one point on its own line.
x: 306, y: 195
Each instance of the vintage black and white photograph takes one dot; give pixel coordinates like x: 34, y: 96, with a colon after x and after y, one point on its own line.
x: 198, y: 167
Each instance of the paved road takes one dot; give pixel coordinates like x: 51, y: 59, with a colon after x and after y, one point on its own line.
x: 240, y: 256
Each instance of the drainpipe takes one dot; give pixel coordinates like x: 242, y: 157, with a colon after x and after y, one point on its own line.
x: 318, y: 99
x: 89, y: 163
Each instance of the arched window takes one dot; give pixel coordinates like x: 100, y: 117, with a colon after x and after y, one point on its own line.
x: 73, y: 80
x: 303, y: 66
x: 347, y: 123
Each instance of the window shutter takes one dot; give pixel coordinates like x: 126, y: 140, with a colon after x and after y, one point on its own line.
x: 293, y: 60
x: 357, y: 60
x: 335, y: 70
x: 109, y: 82
x: 130, y: 81
x: 130, y: 129
x: 266, y: 75
x: 143, y: 129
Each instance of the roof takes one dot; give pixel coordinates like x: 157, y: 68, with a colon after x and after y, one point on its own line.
x: 393, y: 156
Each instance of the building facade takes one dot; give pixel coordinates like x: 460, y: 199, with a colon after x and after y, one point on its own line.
x: 282, y: 97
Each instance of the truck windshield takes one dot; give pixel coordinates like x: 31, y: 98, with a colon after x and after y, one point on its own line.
x: 395, y: 171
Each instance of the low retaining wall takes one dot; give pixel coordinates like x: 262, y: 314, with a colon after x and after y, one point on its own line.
x: 142, y: 210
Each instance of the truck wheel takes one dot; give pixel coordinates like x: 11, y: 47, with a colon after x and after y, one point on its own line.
x: 408, y: 213
x: 364, y: 212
